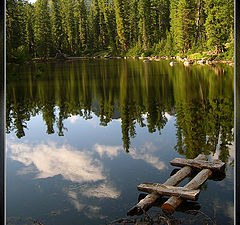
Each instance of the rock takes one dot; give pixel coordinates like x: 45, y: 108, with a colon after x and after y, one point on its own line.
x: 173, y: 63
x: 201, y: 62
x: 208, y: 62
x: 179, y: 58
x: 188, y: 63
x: 146, y: 60
x: 231, y: 64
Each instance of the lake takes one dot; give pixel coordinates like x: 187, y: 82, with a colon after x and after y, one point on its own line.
x: 81, y: 135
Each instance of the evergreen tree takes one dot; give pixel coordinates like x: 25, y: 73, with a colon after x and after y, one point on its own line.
x: 105, y: 9
x: 121, y: 23
x: 144, y: 8
x: 57, y: 30
x: 95, y: 16
x: 15, y: 29
x: 42, y: 29
x: 81, y: 24
x: 133, y: 22
x: 67, y: 7
x: 219, y: 23
x: 184, y: 24
x: 29, y: 11
x: 158, y: 29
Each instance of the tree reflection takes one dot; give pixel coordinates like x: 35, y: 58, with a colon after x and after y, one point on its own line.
x: 201, y: 98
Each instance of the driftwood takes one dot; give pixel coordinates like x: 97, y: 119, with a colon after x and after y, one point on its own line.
x: 173, y: 202
x: 169, y: 190
x: 200, y: 164
x: 146, y: 203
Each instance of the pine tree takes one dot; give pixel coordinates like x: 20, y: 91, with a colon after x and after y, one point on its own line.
x: 95, y: 16
x: 105, y: 9
x: 121, y: 23
x: 42, y: 29
x: 81, y: 25
x: 57, y: 30
x: 219, y: 23
x: 133, y: 22
x: 144, y: 8
x: 29, y: 11
x: 185, y: 24
x: 15, y: 28
x: 67, y: 7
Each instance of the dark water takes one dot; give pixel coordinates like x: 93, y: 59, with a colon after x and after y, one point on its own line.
x: 82, y: 135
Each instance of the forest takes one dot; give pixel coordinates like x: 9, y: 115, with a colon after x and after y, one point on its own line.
x: 188, y: 28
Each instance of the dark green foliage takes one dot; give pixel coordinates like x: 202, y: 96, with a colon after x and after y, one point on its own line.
x: 57, y: 29
x: 42, y: 29
x: 119, y: 27
x: 219, y: 23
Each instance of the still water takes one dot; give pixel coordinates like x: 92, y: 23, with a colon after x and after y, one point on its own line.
x: 81, y: 135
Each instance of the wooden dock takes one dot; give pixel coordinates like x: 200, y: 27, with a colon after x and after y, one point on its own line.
x: 190, y: 191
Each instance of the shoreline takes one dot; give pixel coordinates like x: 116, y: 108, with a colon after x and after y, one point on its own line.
x: 176, y: 59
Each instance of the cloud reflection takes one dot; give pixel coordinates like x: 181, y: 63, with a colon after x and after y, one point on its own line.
x: 51, y: 160
x: 103, y: 190
x: 144, y: 153
x: 91, y: 211
x: 73, y: 118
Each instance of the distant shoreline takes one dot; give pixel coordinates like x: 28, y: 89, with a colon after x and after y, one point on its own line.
x: 145, y: 59
x: 149, y: 59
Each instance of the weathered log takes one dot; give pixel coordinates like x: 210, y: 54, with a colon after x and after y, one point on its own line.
x: 169, y: 190
x: 173, y: 202
x: 184, y: 207
x: 146, y: 203
x: 200, y: 164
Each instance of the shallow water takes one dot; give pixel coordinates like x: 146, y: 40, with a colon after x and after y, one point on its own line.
x: 83, y: 134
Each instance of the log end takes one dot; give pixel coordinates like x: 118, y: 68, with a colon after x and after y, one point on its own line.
x: 167, y: 209
x: 135, y: 211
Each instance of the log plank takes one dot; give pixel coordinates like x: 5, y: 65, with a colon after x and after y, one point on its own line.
x: 169, y: 190
x: 146, y: 203
x: 201, y: 164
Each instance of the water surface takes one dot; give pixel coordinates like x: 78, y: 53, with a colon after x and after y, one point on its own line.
x: 83, y: 134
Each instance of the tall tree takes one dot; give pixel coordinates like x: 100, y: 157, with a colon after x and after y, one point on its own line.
x: 81, y: 24
x: 57, y: 29
x: 95, y: 18
x: 42, y: 29
x: 29, y: 11
x: 183, y: 23
x: 15, y: 28
x: 121, y: 23
x: 106, y: 10
x: 219, y: 22
x: 144, y: 8
x: 67, y: 7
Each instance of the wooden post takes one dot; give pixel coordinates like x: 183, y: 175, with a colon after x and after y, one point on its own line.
x: 173, y: 202
x: 146, y: 203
